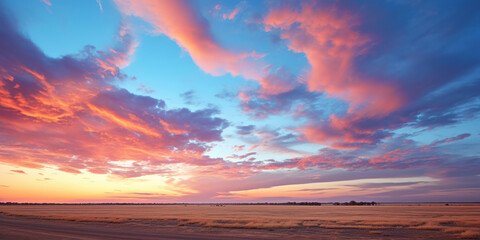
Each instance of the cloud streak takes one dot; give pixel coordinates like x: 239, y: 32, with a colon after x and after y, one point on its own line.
x: 191, y: 31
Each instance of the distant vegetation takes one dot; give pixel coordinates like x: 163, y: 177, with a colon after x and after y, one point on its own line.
x: 211, y: 204
x: 305, y: 203
x: 354, y: 203
x: 351, y: 203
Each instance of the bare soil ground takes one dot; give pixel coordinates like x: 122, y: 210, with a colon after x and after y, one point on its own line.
x: 238, y: 222
x: 25, y: 228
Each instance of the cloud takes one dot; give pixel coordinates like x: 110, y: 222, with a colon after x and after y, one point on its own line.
x: 47, y: 2
x: 238, y: 148
x: 298, y: 102
x: 18, y: 171
x: 374, y: 67
x: 274, y: 140
x: 278, y: 82
x: 435, y: 173
x: 226, y: 95
x: 99, y: 2
x: 232, y: 14
x: 235, y: 156
x: 256, y: 55
x: 315, y: 189
x: 191, y: 31
x: 386, y: 184
x: 451, y: 139
x: 398, y: 153
x: 330, y: 42
x: 145, y: 89
x: 355, y: 57
x: 179, y: 21
x: 67, y: 113
x: 188, y: 97
x: 245, y: 130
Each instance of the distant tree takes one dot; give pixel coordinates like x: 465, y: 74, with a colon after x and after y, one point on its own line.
x: 355, y: 203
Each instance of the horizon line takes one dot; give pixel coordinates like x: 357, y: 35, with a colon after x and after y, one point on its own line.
x: 212, y: 203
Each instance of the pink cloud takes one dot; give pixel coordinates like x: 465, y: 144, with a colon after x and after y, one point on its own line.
x: 119, y: 56
x: 47, y: 2
x: 232, y: 14
x: 343, y: 132
x: 179, y: 21
x: 238, y: 148
x: 256, y: 55
x: 18, y: 171
x: 330, y: 42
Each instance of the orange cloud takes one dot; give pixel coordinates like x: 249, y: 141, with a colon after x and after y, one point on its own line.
x: 66, y: 113
x: 134, y: 123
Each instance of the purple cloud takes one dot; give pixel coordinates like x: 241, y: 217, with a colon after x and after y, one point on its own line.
x: 84, y: 121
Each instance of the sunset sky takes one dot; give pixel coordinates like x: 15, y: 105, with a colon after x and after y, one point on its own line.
x: 239, y: 101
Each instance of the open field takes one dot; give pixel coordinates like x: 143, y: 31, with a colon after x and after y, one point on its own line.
x: 397, y: 221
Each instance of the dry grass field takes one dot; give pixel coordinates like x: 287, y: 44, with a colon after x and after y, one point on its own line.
x: 458, y: 220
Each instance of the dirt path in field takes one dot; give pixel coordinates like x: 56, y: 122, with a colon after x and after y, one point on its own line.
x: 20, y: 228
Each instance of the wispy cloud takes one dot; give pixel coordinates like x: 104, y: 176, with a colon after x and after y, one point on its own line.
x: 99, y: 2
x: 232, y: 14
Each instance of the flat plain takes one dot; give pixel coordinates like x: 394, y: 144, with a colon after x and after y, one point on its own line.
x: 386, y: 221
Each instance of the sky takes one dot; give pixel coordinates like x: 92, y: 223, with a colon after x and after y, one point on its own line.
x: 239, y: 101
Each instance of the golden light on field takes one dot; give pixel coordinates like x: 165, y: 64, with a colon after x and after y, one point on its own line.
x: 461, y: 220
